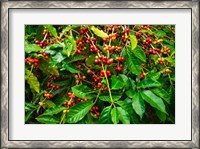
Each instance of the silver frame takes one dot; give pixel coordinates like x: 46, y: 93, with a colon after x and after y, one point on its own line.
x: 6, y: 143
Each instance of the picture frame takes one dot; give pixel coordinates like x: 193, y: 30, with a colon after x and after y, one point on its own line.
x: 6, y: 6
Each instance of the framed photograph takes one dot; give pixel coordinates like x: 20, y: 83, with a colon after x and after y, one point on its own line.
x: 99, y: 74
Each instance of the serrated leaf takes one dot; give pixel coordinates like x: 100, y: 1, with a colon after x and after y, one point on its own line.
x: 116, y: 83
x: 105, y: 116
x: 162, y: 93
x: 71, y: 68
x: 153, y: 100
x: 58, y: 58
x: 98, y: 32
x: 134, y: 65
x: 114, y: 115
x: 39, y: 32
x: 52, y: 30
x: 123, y: 116
x: 138, y: 104
x: 133, y: 40
x: 47, y: 119
x: 106, y: 97
x: 68, y: 48
x: 49, y: 103
x: 54, y: 46
x: 32, y: 48
x: 82, y: 91
x: 53, y: 110
x: 160, y: 33
x: 154, y: 76
x: 148, y: 83
x: 32, y: 81
x: 77, y: 112
x: 139, y: 53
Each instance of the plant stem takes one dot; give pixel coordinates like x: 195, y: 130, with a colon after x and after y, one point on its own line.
x: 109, y: 90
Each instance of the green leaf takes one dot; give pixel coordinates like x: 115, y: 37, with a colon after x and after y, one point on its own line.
x: 125, y: 80
x: 28, y: 115
x: 154, y: 76
x: 138, y: 104
x: 162, y: 93
x: 139, y: 53
x: 147, y: 31
x: 72, y: 68
x: 53, y: 110
x: 82, y: 91
x: 32, y: 81
x: 29, y: 48
x: 123, y: 116
x: 72, y: 41
x: 133, y: 40
x: 116, y: 83
x: 39, y: 32
x: 49, y: 104
x: 58, y: 57
x: 105, y: 116
x: 106, y: 97
x: 68, y: 48
x: 98, y: 32
x: 90, y: 60
x: 170, y: 60
x: 47, y: 119
x: 131, y: 91
x: 77, y: 112
x: 52, y: 30
x: 160, y: 33
x: 46, y: 69
x: 115, y: 116
x: 76, y: 58
x: 54, y: 46
x: 161, y: 115
x: 134, y: 64
x: 153, y: 100
x: 127, y: 106
x: 66, y: 29
x: 148, y: 83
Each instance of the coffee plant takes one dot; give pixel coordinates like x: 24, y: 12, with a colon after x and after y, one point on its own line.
x: 99, y: 74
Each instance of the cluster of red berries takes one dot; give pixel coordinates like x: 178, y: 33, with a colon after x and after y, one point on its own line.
x: 80, y: 45
x: 145, y: 27
x: 48, y: 95
x: 54, y: 77
x: 44, y: 54
x: 93, y: 49
x: 111, y: 37
x: 95, y: 78
x: 69, y: 103
x: 83, y: 31
x: 71, y: 95
x: 138, y: 35
x: 119, y: 68
x: 141, y: 75
x: 154, y: 51
x: 108, y: 73
x: 104, y: 59
x: 33, y: 61
x: 165, y: 50
x: 116, y: 27
x: 98, y: 85
x: 94, y: 110
x: 90, y: 39
x: 104, y: 89
x: 147, y: 41
x: 161, y: 60
x: 54, y: 87
x: 111, y: 48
